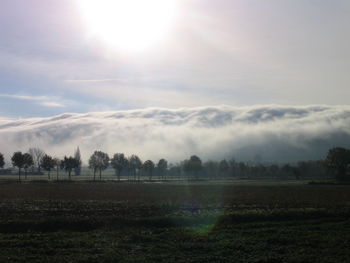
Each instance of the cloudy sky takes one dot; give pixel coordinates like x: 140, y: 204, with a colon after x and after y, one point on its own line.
x: 224, y: 52
x: 176, y: 77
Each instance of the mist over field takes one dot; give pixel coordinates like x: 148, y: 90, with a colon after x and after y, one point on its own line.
x: 264, y: 133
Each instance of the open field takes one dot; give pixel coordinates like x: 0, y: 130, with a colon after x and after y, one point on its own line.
x: 242, y: 221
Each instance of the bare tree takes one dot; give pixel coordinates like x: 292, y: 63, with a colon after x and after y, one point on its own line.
x: 37, y: 154
x: 69, y: 163
x: 47, y: 163
x: 98, y: 161
x: 119, y: 162
x: 135, y: 165
x: 28, y: 162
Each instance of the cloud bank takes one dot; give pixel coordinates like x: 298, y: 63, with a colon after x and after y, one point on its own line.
x: 274, y: 133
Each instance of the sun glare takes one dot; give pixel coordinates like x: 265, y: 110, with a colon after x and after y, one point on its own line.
x: 128, y: 24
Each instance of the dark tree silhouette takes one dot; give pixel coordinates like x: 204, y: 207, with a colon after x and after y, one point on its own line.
x: 242, y: 168
x: 47, y: 163
x: 77, y: 156
x: 135, y: 165
x: 28, y: 162
x: 224, y: 168
x: 193, y: 166
x: 274, y: 169
x: 287, y: 169
x: 119, y: 162
x: 338, y: 159
x: 162, y: 167
x: 233, y: 167
x: 93, y: 164
x: 148, y: 167
x: 211, y: 169
x: 174, y: 171
x: 57, y: 165
x: 2, y: 160
x: 18, y: 161
x: 69, y: 163
x: 98, y: 161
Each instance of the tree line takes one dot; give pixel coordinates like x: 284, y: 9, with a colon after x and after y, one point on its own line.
x: 37, y: 158
x: 336, y: 163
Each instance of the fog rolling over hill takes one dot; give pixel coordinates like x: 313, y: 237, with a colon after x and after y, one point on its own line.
x: 274, y: 133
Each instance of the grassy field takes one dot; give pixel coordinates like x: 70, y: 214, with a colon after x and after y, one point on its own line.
x: 241, y: 221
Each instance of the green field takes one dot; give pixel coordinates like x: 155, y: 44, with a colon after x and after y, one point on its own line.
x: 241, y: 221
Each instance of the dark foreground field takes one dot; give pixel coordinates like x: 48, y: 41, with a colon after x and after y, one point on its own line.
x: 111, y: 222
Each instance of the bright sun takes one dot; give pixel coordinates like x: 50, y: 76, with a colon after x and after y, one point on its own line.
x: 131, y: 25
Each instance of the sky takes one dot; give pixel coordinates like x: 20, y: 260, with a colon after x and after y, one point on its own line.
x: 224, y: 52
x: 172, y: 78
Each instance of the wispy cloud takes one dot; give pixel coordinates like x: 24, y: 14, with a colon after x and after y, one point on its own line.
x: 52, y: 104
x: 40, y: 100
x: 24, y: 97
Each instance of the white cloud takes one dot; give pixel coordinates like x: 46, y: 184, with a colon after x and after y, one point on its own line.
x: 276, y: 133
x: 52, y: 104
